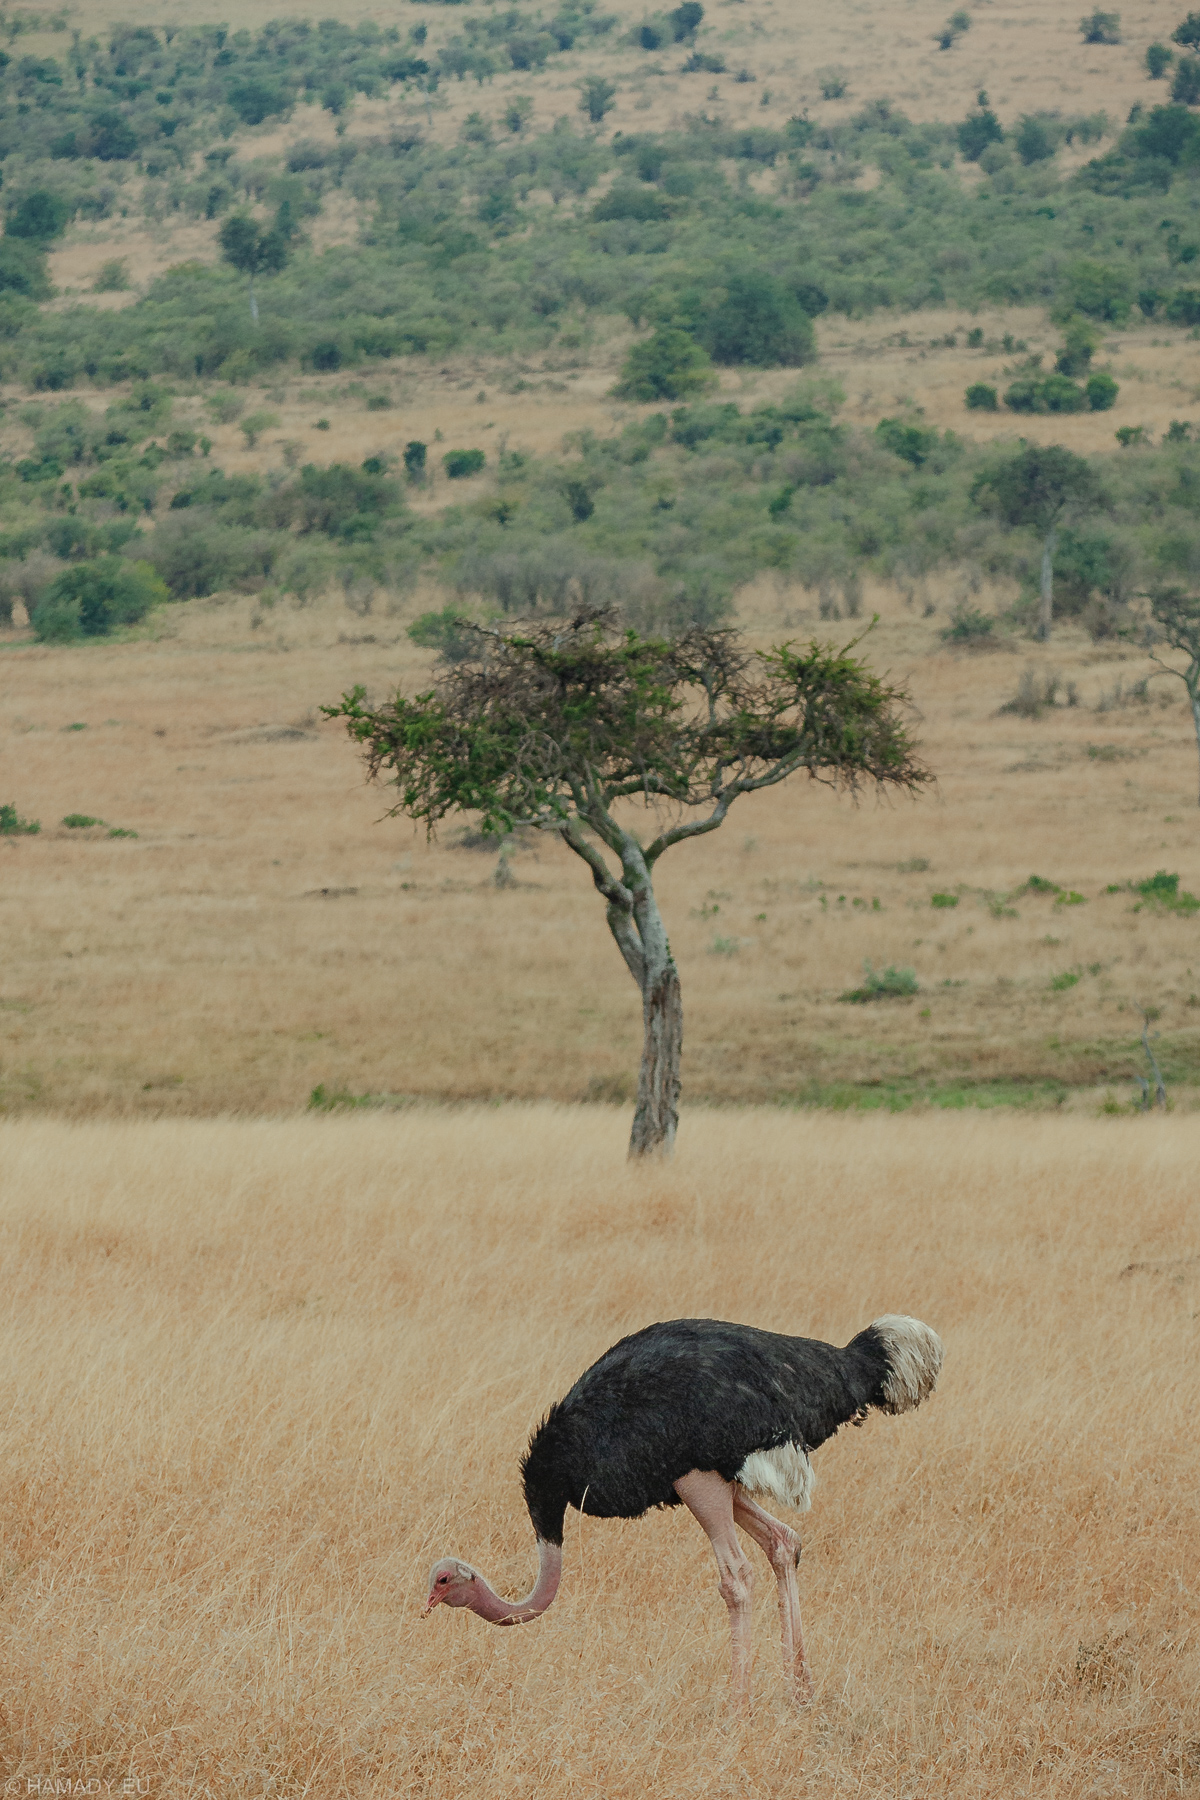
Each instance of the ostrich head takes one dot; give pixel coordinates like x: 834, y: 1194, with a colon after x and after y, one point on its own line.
x: 451, y: 1583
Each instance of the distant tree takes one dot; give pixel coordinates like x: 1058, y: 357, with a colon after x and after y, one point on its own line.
x: 1042, y: 486
x: 41, y: 216
x: 562, y: 725
x: 760, y: 322
x: 90, y: 599
x: 982, y: 397
x: 596, y: 97
x: 414, y: 460
x: 1101, y: 27
x: 978, y: 130
x: 518, y: 113
x: 1175, y: 613
x: 1158, y: 61
x: 670, y: 365
x: 685, y: 20
x: 253, y: 249
x: 1185, y: 89
x: 1188, y: 34
x: 1033, y: 141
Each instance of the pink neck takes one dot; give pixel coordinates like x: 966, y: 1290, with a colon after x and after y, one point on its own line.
x: 489, y: 1605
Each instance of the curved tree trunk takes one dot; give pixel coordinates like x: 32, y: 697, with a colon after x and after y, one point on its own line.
x: 657, y: 1114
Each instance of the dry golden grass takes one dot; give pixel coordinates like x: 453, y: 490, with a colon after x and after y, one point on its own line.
x: 258, y: 1375
x: 200, y: 969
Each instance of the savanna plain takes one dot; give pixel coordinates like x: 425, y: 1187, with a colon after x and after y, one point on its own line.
x: 313, y: 1190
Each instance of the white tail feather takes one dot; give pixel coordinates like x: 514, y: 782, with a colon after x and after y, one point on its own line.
x: 784, y: 1472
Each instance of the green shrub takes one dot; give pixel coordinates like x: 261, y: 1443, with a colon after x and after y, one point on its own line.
x: 969, y: 628
x: 1185, y: 89
x: 41, y: 216
x: 759, y: 322
x: 982, y: 398
x: 80, y: 821
x: 459, y: 464
x: 1033, y: 141
x: 911, y: 443
x: 669, y: 365
x: 93, y: 598
x: 1101, y: 390
x: 977, y: 131
x: 1101, y: 27
x: 882, y: 984
x: 443, y: 632
x: 113, y: 277
x: 1158, y: 61
x: 13, y: 825
x: 943, y: 902
x: 1059, y: 984
x: 1038, y: 884
x: 626, y: 202
x: 414, y: 460
x: 1162, y: 891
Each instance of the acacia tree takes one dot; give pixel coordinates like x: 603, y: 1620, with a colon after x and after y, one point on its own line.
x: 1176, y: 614
x: 558, y: 724
x: 1042, y: 486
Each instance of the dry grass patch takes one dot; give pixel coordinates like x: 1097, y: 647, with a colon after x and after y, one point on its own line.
x: 257, y: 1376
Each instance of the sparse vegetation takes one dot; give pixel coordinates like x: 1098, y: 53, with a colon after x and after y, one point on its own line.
x: 882, y: 984
x: 13, y: 825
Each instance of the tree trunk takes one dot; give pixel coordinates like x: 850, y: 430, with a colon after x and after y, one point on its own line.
x: 657, y: 1114
x: 1194, y: 697
x: 1046, y: 609
x: 253, y: 302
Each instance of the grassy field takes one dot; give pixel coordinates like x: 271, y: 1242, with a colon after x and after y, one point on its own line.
x: 313, y: 1353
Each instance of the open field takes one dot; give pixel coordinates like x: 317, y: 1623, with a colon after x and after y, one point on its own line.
x: 313, y: 1352
x: 267, y: 932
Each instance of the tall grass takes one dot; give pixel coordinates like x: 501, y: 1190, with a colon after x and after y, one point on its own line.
x: 257, y: 1376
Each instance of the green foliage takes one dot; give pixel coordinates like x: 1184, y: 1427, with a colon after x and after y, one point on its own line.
x: 1162, y: 891
x: 80, y: 821
x: 254, y: 424
x: 1101, y: 27
x: 1037, y: 486
x: 1185, y: 88
x: 943, y: 902
x: 1158, y: 61
x: 444, y: 632
x: 92, y: 599
x: 669, y: 365
x: 41, y: 215
x: 882, y: 984
x: 13, y: 825
x: 913, y: 444
x: 969, y: 629
x: 459, y: 464
x: 596, y: 98
x: 982, y: 397
x: 1061, y: 984
x: 1102, y: 391
x: 414, y: 459
x: 977, y: 131
x: 548, y: 719
x: 757, y: 320
x: 1033, y: 141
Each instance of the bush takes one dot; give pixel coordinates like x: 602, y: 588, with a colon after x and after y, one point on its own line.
x: 760, y: 322
x: 911, y: 443
x: 1033, y: 141
x: 1038, y: 694
x: 92, y: 599
x: 685, y: 20
x: 832, y: 83
x: 1101, y: 27
x: 1185, y: 89
x: 1162, y: 890
x: 458, y: 464
x: 670, y: 365
x: 41, y: 216
x: 1101, y: 390
x: 414, y: 460
x: 943, y: 902
x: 882, y: 984
x: 1035, y: 393
x: 1158, y: 61
x: 982, y: 398
x: 969, y: 628
x: 624, y: 202
x: 977, y: 131
x: 13, y: 825
x: 597, y: 97
x: 443, y: 632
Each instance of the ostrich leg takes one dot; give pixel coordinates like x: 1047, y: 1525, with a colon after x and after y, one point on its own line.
x: 781, y: 1547
x: 710, y: 1498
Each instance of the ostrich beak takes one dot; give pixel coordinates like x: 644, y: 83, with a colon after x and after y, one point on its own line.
x: 429, y: 1605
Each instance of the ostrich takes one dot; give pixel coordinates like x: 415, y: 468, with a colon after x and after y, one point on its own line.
x: 708, y: 1414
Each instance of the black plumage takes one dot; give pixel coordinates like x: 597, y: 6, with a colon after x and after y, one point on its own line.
x: 691, y: 1394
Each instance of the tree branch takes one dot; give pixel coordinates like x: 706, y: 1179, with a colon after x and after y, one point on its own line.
x: 614, y: 891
